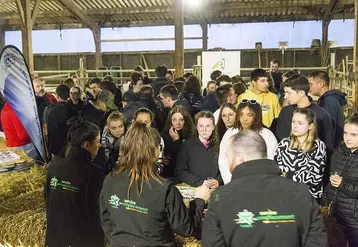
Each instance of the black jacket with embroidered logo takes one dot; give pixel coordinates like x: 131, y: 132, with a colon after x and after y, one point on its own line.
x: 150, y: 219
x: 72, y: 191
x: 261, y: 208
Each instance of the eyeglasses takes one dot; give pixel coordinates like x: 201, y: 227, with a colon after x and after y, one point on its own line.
x: 249, y: 101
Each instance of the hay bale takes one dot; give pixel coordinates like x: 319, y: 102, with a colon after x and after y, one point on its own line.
x: 27, y: 227
x: 22, y: 208
x: 33, y: 200
x: 187, y: 242
x: 2, y: 143
x: 13, y: 184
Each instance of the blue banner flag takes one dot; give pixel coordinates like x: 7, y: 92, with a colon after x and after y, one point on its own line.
x: 17, y: 88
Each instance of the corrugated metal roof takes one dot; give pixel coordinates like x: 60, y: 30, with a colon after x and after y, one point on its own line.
x: 52, y: 13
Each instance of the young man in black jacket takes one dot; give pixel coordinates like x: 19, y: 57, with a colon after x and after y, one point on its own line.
x: 332, y: 100
x: 55, y: 122
x: 296, y: 93
x: 259, y: 207
x: 161, y: 81
x: 169, y: 97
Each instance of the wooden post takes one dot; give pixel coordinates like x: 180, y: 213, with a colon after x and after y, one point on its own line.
x: 59, y: 64
x: 331, y: 9
x: 82, y: 72
x: 355, y: 56
x: 2, y: 38
x: 97, y: 41
x: 179, y: 37
x: 27, y: 36
x: 204, y: 28
x: 325, y: 45
x: 27, y: 17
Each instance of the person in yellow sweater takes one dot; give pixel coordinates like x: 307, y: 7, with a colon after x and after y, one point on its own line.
x: 259, y: 92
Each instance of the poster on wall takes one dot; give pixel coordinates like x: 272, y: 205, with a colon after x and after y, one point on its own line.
x: 228, y: 62
x: 16, y: 86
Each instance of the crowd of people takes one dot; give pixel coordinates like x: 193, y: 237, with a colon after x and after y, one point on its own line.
x: 264, y: 153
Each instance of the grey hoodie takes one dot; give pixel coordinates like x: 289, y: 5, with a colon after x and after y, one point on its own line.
x: 333, y: 101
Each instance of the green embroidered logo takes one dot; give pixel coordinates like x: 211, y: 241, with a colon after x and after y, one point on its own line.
x: 129, y: 205
x: 114, y: 201
x: 53, y: 182
x: 247, y: 219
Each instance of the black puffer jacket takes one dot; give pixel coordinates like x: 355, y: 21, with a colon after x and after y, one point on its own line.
x: 195, y: 163
x: 333, y: 101
x: 345, y: 197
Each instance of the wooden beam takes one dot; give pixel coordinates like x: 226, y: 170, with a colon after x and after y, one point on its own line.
x: 333, y: 5
x: 325, y: 45
x: 204, y: 28
x: 91, y: 24
x: 26, y: 33
x: 326, y: 20
x: 35, y: 10
x: 179, y: 38
x: 2, y: 38
x: 97, y: 41
x: 188, y: 21
x: 20, y: 10
x: 210, y: 9
x: 355, y: 57
x: 74, y: 9
x: 146, y: 39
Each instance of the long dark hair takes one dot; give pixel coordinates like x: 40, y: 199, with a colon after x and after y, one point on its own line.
x: 220, y: 126
x: 139, y: 157
x: 146, y: 97
x: 213, y: 138
x: 189, y: 128
x: 192, y: 86
x: 80, y: 131
x: 255, y: 108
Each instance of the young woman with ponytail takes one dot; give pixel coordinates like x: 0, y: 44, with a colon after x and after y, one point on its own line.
x: 72, y: 190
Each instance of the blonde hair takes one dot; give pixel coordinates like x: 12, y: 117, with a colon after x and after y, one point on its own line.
x: 139, y: 157
x: 117, y: 115
x: 312, y: 134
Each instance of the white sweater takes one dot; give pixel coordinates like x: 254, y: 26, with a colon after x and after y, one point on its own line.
x: 266, y: 134
x: 216, y: 115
